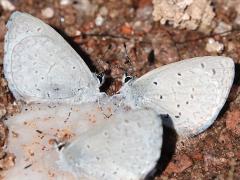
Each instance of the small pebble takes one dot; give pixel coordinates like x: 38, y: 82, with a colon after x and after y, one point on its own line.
x: 47, y: 12
x: 223, y: 27
x: 1, y: 52
x: 69, y: 19
x: 2, y: 111
x: 233, y: 121
x: 223, y: 137
x: 103, y: 11
x: 214, y: 46
x: 65, y: 2
x: 99, y: 20
x: 126, y: 29
x: 211, y: 160
x: 3, y: 30
x: 87, y: 7
x: 7, y: 162
x: 231, y: 46
x: 237, y: 20
x: 71, y: 31
x: 197, y: 156
x: 3, y: 135
x: 7, y: 5
x: 179, y: 164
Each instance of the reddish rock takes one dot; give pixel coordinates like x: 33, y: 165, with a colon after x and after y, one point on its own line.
x: 238, y: 155
x: 126, y: 29
x: 233, y: 121
x: 212, y: 161
x: 7, y: 162
x: 209, y: 144
x: 197, y: 156
x: 223, y: 137
x: 143, y: 3
x: 88, y: 26
x: 3, y: 30
x: 71, y: 31
x: 3, y: 134
x: 179, y: 164
x: 69, y: 19
x: 1, y: 51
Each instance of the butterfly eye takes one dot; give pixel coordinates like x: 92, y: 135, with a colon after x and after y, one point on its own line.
x: 127, y: 78
x: 101, y: 78
x: 213, y: 71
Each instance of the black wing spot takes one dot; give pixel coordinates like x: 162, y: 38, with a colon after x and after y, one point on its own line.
x: 191, y: 96
x: 155, y: 83
x: 213, y: 71
x: 161, y: 97
x: 178, y: 105
x: 105, y: 134
x: 177, y: 116
x: 179, y: 83
x: 56, y: 89
x: 187, y: 102
x: 139, y: 125
x: 179, y: 74
x: 202, y: 65
x: 74, y: 67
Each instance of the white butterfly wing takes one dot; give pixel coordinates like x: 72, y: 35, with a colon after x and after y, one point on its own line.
x: 100, y: 143
x: 127, y: 148
x: 40, y: 65
x: 188, y: 93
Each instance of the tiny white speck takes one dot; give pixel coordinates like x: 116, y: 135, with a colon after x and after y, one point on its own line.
x: 99, y: 20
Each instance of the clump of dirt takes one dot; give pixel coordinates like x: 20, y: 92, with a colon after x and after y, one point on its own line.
x: 191, y: 15
x: 100, y: 31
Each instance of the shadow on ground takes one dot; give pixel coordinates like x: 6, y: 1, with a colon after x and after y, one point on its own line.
x: 168, y: 148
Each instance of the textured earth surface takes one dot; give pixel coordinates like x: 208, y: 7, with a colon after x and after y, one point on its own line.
x: 100, y: 30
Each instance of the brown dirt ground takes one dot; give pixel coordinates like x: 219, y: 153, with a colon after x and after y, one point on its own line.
x: 214, y: 154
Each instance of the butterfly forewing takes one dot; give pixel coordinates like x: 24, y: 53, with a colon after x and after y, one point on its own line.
x: 40, y: 65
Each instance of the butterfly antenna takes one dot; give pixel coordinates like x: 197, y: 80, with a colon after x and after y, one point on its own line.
x: 127, y: 58
x: 104, y: 74
x: 99, y: 60
x: 126, y: 76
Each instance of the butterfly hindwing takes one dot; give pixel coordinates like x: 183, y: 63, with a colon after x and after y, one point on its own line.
x: 189, y: 93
